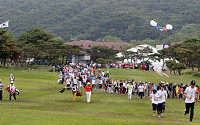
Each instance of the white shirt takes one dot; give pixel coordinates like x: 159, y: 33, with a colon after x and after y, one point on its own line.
x: 12, y: 78
x: 68, y: 81
x: 163, y: 95
x: 93, y: 81
x: 153, y: 96
x: 124, y: 84
x: 75, y: 81
x: 191, y: 93
x: 103, y: 73
x: 101, y: 82
x: 141, y: 88
x: 115, y: 82
x: 12, y: 88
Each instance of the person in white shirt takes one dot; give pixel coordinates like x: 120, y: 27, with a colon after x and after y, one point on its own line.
x: 103, y: 73
x: 93, y: 83
x: 107, y: 73
x: 141, y: 90
x: 12, y: 78
x: 1, y: 90
x: 12, y: 90
x: 75, y: 81
x: 190, y: 94
x: 100, y: 84
x: 154, y: 101
x: 161, y: 96
x: 68, y: 82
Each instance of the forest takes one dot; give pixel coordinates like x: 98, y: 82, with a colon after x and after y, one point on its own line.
x: 127, y: 20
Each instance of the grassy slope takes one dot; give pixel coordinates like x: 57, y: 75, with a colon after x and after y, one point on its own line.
x: 41, y: 103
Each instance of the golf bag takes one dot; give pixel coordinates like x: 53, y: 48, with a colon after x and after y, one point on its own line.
x: 17, y: 92
x: 61, y: 91
x: 8, y: 88
x: 60, y: 81
x: 79, y: 93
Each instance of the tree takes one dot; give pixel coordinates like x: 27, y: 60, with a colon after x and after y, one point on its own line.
x: 33, y: 43
x: 33, y: 35
x: 101, y: 61
x: 124, y: 51
x: 170, y: 64
x: 10, y: 35
x: 162, y: 54
x: 112, y: 39
x: 7, y: 47
x: 68, y: 50
x: 102, y: 52
x: 178, y: 67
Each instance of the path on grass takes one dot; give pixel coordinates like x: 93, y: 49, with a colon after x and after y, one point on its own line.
x: 163, y: 74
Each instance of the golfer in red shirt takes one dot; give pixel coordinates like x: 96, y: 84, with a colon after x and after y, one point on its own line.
x: 88, y: 91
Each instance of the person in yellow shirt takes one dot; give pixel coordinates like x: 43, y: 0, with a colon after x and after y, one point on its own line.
x: 177, y: 91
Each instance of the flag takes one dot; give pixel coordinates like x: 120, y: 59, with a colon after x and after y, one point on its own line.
x: 4, y: 25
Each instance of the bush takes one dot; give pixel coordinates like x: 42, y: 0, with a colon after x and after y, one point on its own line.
x: 196, y: 74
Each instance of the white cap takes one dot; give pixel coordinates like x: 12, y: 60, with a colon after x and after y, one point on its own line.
x: 88, y: 83
x: 11, y: 81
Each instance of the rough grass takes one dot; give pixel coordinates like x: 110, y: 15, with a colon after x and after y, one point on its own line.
x: 40, y: 102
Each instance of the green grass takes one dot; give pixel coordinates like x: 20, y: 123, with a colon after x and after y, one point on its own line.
x: 40, y: 102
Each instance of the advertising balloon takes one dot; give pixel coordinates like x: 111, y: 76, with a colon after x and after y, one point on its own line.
x: 153, y: 23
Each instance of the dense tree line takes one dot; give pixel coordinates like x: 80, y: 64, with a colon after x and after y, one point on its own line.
x: 187, y: 54
x: 34, y: 44
x: 95, y: 19
x: 8, y: 47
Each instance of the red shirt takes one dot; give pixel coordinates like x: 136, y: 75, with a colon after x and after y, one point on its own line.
x: 88, y: 88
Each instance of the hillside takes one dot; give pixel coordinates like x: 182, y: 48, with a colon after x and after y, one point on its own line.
x: 93, y: 19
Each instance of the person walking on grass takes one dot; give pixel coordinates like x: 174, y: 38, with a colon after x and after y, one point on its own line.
x: 12, y: 90
x: 130, y: 90
x: 161, y: 96
x: 190, y: 94
x: 141, y: 90
x: 1, y: 90
x: 74, y: 90
x: 88, y: 91
x: 154, y: 101
x: 12, y: 78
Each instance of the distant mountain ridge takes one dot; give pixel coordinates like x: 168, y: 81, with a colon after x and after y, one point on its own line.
x: 93, y: 19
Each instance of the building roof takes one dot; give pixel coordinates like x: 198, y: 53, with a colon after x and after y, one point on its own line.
x: 90, y: 44
x: 172, y: 44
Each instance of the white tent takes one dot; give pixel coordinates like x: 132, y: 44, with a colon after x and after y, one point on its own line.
x: 119, y: 55
x: 156, y: 64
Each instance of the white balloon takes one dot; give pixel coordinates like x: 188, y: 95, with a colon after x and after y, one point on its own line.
x: 169, y: 27
x: 153, y: 23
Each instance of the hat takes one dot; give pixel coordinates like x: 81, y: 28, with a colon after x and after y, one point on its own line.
x: 88, y: 83
x: 11, y: 81
x: 193, y: 82
x: 0, y: 79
